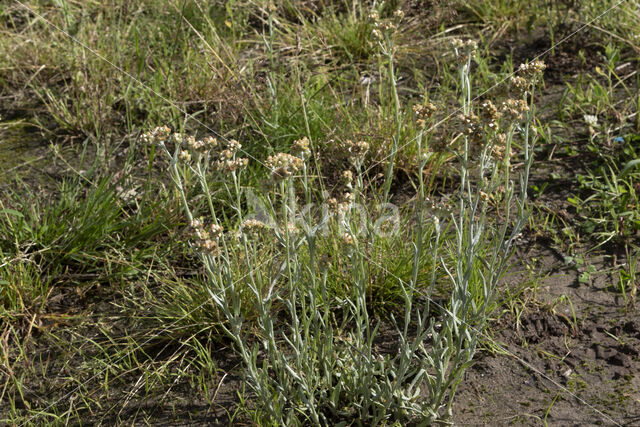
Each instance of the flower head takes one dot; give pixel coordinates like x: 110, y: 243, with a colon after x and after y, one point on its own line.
x: 356, y: 150
x: 283, y: 165
x: 532, y: 70
x: 301, y: 148
x: 252, y: 226
x: 184, y: 156
x: 513, y: 109
x: 157, y: 136
x: 423, y: 112
x: 464, y: 50
x: 347, y: 178
x: 227, y: 158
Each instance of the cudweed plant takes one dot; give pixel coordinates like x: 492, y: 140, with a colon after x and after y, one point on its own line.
x: 307, y: 362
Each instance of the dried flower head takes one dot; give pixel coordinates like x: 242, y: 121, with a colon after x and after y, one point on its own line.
x: 210, y: 142
x: 204, y: 241
x: 499, y: 149
x: 490, y: 112
x: 373, y: 17
x: 348, y: 197
x: 178, y: 138
x: 199, y: 146
x: 398, y: 14
x: 376, y: 34
x: 283, y: 165
x: 291, y: 229
x: 336, y: 207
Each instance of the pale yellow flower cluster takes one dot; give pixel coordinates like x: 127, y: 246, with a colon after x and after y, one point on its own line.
x: 201, y: 145
x: 464, y: 49
x: 528, y: 75
x: 356, y: 150
x: 157, y: 136
x: 301, y: 148
x: 347, y: 178
x: 252, y: 226
x: 382, y: 27
x: 532, y: 69
x: 283, y: 165
x: 472, y: 127
x: 206, y: 240
x: 227, y: 160
x: 513, y: 110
